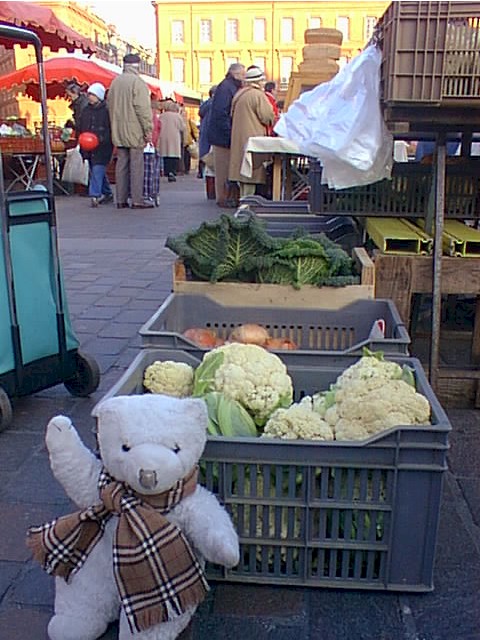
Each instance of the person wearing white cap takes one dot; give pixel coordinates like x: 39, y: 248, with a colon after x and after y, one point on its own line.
x: 252, y: 113
x: 95, y: 119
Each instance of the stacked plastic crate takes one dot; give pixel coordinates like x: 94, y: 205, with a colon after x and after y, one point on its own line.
x: 360, y: 514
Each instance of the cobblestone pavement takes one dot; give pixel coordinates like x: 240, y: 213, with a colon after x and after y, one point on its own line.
x: 117, y: 272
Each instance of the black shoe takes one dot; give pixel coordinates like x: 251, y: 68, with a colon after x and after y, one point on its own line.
x: 171, y: 177
x: 122, y: 205
x: 105, y: 199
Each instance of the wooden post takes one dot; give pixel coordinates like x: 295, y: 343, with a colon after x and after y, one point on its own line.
x: 437, y: 261
x: 277, y: 177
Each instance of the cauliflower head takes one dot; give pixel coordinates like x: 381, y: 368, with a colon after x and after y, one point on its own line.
x: 250, y: 374
x: 297, y: 422
x: 369, y: 367
x: 170, y: 378
x: 367, y: 406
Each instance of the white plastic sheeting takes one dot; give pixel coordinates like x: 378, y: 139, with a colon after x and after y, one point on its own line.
x: 340, y: 123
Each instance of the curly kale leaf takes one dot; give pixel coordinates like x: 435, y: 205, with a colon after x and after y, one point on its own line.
x: 224, y: 249
x: 298, y: 261
x: 242, y: 241
x: 340, y: 262
x: 197, y: 248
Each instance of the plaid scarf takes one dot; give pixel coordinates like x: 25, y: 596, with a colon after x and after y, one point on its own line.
x: 154, y: 565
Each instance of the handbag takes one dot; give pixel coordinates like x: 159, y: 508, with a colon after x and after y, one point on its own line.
x: 75, y: 169
x: 193, y: 149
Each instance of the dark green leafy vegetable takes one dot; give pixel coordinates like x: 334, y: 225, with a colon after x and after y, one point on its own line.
x: 314, y: 260
x: 240, y: 249
x: 225, y: 248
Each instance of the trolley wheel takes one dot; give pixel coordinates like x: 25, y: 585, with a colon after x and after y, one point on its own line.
x: 6, y: 413
x: 86, y: 378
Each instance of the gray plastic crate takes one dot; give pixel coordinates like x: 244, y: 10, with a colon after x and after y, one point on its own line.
x: 354, y: 515
x: 345, y: 330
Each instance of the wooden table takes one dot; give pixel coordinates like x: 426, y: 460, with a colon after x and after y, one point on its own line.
x: 28, y: 164
x: 282, y: 151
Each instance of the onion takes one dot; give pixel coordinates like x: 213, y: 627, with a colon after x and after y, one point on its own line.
x: 201, y: 337
x: 249, y: 334
x: 280, y: 343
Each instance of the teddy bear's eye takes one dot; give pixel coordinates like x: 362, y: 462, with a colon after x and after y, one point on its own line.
x: 175, y: 448
x: 125, y: 447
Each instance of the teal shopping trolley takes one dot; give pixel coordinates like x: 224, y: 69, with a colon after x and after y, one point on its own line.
x: 38, y: 348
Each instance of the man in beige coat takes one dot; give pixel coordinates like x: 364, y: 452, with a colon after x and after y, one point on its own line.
x: 251, y: 113
x: 130, y: 112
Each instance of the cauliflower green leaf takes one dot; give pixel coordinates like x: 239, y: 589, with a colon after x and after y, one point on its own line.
x: 249, y: 374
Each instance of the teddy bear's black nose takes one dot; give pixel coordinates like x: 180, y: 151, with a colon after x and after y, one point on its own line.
x: 147, y: 478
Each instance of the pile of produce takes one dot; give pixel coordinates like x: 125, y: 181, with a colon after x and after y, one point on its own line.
x: 241, y: 250
x: 245, y: 333
x: 249, y: 393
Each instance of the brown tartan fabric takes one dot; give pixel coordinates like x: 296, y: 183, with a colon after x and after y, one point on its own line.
x: 154, y: 564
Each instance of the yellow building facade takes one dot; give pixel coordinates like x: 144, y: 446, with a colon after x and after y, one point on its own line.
x: 197, y: 40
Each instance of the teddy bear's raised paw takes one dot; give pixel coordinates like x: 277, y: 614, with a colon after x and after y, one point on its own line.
x: 60, y: 431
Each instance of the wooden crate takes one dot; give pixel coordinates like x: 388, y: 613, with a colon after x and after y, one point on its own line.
x: 400, y: 277
x: 254, y: 295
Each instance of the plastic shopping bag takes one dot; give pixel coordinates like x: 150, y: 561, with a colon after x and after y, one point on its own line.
x: 340, y: 123
x: 193, y: 149
x: 75, y: 169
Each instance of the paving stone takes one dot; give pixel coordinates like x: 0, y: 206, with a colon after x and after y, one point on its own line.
x: 259, y: 600
x: 23, y: 623
x: 15, y: 521
x: 8, y: 573
x: 34, y: 588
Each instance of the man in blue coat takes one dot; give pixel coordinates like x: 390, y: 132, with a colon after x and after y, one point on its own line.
x: 220, y: 129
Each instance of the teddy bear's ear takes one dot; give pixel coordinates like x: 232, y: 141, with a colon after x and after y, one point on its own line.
x: 106, y: 405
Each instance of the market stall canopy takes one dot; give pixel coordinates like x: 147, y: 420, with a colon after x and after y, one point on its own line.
x: 52, y: 31
x: 63, y: 69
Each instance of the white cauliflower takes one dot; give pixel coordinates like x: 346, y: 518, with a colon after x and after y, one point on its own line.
x: 319, y: 402
x: 364, y: 407
x: 369, y: 367
x: 170, y: 378
x: 297, y: 422
x: 250, y: 374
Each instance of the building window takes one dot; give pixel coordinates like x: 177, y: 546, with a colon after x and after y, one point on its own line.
x: 178, y: 35
x: 314, y: 23
x: 230, y: 61
x: 178, y: 70
x: 369, y: 27
x: 259, y: 30
x: 205, y: 31
x: 343, y: 25
x: 205, y: 70
x: 260, y: 62
x: 231, y: 30
x: 286, y: 66
x: 287, y: 30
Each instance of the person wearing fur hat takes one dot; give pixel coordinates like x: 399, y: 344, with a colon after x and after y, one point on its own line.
x: 95, y: 119
x: 131, y: 117
x: 251, y: 114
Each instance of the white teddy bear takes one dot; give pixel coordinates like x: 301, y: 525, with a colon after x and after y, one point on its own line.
x: 139, y: 552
